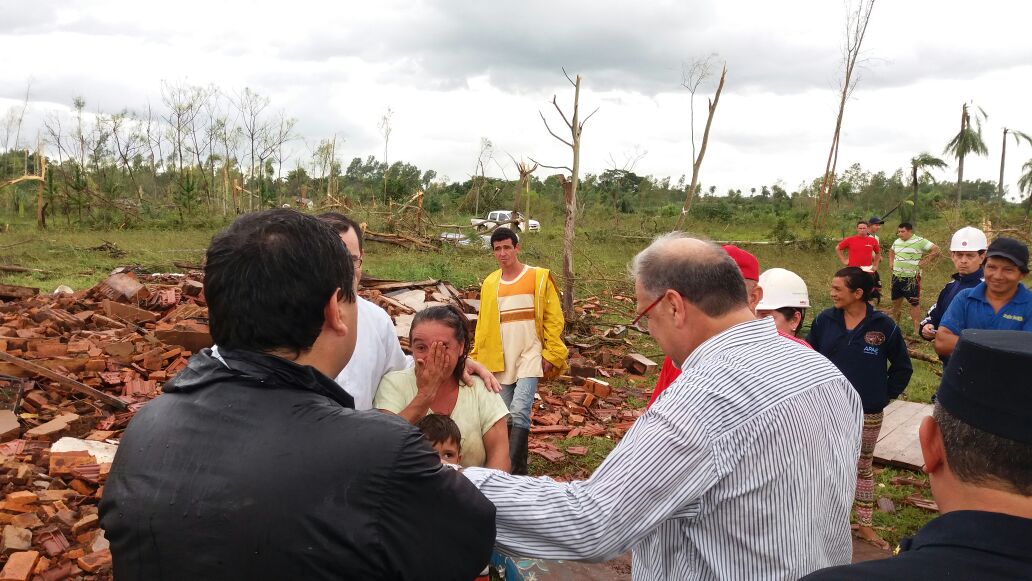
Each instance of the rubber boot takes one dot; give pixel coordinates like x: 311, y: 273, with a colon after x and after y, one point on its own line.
x: 518, y: 449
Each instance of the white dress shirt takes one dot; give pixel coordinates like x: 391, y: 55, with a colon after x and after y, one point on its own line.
x: 744, y: 468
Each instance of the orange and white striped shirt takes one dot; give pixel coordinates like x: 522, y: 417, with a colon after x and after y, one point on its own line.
x: 521, y: 346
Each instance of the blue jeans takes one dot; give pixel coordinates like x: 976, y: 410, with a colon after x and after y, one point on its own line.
x: 519, y: 397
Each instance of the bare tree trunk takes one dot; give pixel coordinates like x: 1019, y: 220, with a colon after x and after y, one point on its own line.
x: 856, y: 29
x: 913, y: 213
x: 1003, y: 158
x: 576, y: 127
x: 571, y: 208
x: 41, y: 163
x: 960, y: 158
x: 697, y: 162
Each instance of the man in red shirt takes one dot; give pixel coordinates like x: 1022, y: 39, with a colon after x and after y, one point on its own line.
x: 864, y: 251
x: 750, y: 268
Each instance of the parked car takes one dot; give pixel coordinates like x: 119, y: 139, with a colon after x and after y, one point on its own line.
x: 501, y: 217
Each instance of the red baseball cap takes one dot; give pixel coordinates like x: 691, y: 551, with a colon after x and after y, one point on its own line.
x: 746, y: 262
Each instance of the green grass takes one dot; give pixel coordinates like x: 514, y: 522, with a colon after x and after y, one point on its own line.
x: 573, y: 466
x: 604, y: 246
x: 907, y: 519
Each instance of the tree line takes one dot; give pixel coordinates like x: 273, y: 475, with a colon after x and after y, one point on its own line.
x: 203, y: 152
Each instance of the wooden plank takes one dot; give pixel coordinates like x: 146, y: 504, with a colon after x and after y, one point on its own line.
x: 902, y: 412
x: 64, y: 381
x: 389, y: 286
x: 898, y: 443
x: 903, y: 445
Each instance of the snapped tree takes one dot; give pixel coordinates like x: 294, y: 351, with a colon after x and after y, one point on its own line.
x: 576, y: 127
x: 856, y: 29
x: 691, y: 77
x: 1019, y: 136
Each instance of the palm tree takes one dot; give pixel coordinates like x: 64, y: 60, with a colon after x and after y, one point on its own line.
x: 1018, y: 136
x: 1025, y: 184
x: 922, y: 163
x: 966, y: 141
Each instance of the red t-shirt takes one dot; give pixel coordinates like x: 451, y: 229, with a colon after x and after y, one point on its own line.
x: 861, y: 249
x: 668, y: 373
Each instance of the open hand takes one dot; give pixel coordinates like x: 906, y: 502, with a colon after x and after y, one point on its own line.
x: 432, y: 371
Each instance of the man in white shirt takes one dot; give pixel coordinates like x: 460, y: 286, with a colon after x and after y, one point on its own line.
x: 377, y: 350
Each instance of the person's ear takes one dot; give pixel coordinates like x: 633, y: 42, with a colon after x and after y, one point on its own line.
x: 678, y: 309
x: 755, y: 298
x: 335, y: 314
x: 932, y: 449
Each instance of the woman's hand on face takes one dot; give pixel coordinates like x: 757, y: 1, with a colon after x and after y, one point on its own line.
x: 432, y: 371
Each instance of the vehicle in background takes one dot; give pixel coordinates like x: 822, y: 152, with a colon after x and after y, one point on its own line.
x: 502, y: 217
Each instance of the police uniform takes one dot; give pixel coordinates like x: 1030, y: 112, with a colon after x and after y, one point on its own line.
x: 985, y: 386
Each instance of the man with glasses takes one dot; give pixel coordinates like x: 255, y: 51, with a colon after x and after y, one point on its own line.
x: 743, y: 469
x: 377, y: 350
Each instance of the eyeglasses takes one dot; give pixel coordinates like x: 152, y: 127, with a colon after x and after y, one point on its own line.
x: 642, y: 320
x: 356, y: 260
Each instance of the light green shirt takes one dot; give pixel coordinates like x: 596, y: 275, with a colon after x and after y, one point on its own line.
x: 907, y: 256
x: 476, y: 410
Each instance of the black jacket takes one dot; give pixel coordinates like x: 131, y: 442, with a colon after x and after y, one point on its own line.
x: 862, y: 354
x: 261, y: 470
x: 964, y: 544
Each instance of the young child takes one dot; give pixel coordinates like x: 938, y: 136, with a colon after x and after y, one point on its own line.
x: 443, y: 434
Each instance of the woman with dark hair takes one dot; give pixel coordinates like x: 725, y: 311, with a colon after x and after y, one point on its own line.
x: 868, y: 348
x: 440, y: 344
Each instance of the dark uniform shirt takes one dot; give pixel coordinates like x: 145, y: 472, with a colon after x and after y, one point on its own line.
x: 965, y: 544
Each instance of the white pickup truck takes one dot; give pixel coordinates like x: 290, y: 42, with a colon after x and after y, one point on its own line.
x: 501, y: 217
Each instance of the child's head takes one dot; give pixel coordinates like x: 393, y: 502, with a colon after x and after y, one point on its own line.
x: 444, y: 435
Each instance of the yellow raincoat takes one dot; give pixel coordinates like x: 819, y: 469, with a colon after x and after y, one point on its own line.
x: 548, y: 315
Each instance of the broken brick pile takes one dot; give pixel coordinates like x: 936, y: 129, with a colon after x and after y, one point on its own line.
x: 75, y: 368
x: 585, y: 403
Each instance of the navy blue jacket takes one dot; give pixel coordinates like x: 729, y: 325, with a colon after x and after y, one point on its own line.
x: 947, y: 294
x: 964, y: 544
x: 863, y: 354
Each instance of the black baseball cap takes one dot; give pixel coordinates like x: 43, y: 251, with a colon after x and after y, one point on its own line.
x: 1010, y: 249
x: 875, y: 220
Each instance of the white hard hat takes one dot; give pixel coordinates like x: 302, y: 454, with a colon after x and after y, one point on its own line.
x: 968, y: 239
x: 782, y: 288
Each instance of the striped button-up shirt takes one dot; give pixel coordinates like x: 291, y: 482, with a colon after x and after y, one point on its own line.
x: 744, y: 468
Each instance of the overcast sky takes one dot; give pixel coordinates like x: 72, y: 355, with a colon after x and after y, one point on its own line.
x: 455, y: 71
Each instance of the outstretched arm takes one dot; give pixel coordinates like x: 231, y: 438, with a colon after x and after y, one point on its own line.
x: 663, y: 464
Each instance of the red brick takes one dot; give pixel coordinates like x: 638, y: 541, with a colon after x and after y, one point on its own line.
x: 20, y: 566
x: 61, y: 463
x: 95, y: 561
x: 85, y: 523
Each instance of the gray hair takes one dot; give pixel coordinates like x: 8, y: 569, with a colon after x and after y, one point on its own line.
x: 698, y: 270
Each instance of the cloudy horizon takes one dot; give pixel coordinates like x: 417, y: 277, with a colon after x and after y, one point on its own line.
x: 455, y: 72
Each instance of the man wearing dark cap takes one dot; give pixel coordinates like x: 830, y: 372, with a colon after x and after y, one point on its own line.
x: 999, y: 302
x: 977, y: 449
x: 874, y: 226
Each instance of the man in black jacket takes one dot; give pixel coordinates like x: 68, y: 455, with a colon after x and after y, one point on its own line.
x: 977, y: 449
x: 257, y: 466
